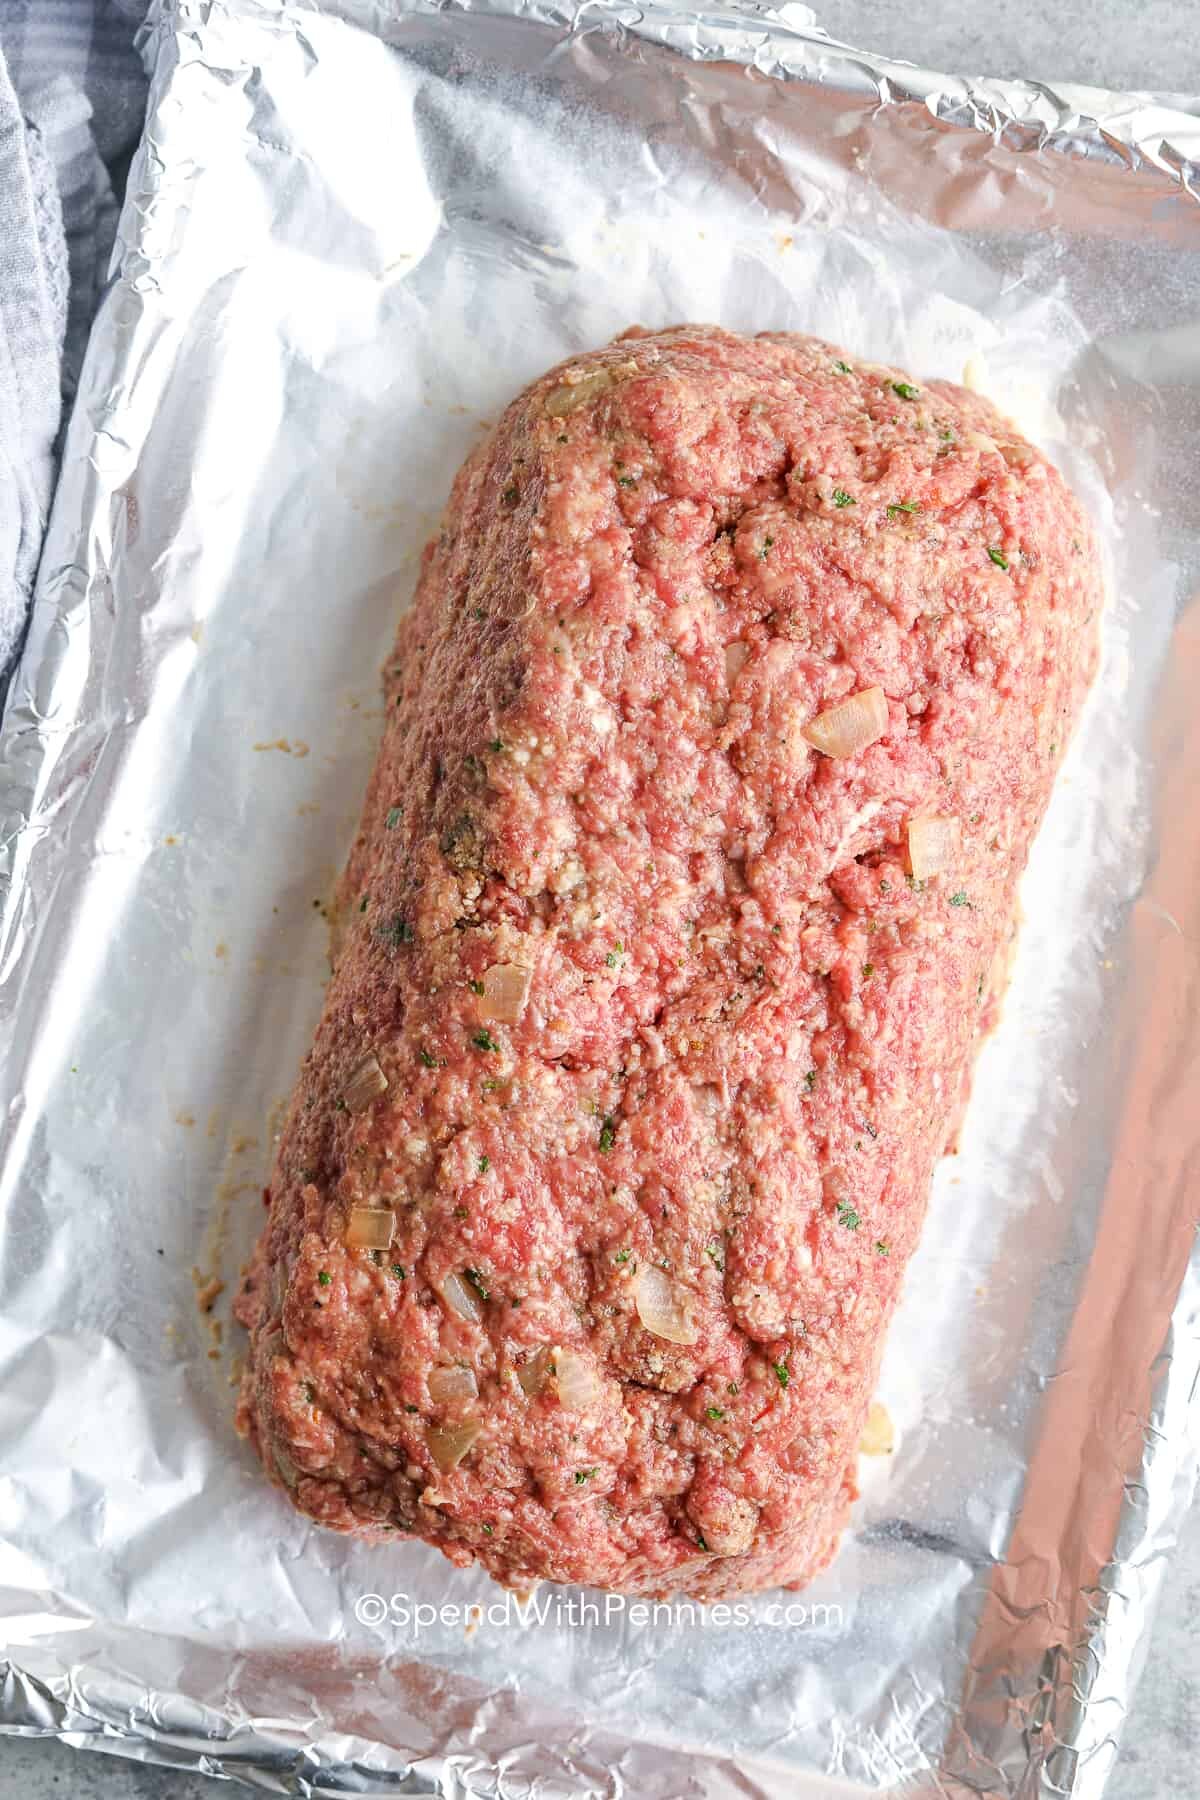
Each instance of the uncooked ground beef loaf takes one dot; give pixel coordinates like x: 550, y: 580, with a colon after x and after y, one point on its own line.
x: 730, y: 701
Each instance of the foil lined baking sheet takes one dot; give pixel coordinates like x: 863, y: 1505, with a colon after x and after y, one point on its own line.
x: 352, y: 234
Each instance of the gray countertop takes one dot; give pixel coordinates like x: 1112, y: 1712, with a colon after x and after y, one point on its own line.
x: 1110, y: 43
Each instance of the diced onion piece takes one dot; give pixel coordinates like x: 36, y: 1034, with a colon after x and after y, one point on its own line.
x: 879, y: 1434
x: 731, y: 1531
x: 366, y: 1083
x: 447, y: 1384
x: 661, y: 1310
x: 505, y: 991
x: 448, y: 1444
x: 735, y: 660
x: 461, y: 1297
x: 370, y: 1227
x: 932, y: 845
x: 576, y: 1380
x: 858, y: 720
x: 289, y: 1474
x: 533, y: 1372
x: 572, y: 394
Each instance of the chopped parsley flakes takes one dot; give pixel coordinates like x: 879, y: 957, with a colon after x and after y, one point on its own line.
x: 998, y: 557
x: 847, y: 1216
x: 397, y: 931
x: 483, y: 1040
x: 905, y: 389
x: 781, y: 1373
x: 608, y: 1134
x: 842, y: 498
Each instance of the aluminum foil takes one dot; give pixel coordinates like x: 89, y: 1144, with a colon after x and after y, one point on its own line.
x: 351, y: 235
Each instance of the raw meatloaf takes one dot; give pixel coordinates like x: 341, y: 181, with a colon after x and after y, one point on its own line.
x: 730, y: 701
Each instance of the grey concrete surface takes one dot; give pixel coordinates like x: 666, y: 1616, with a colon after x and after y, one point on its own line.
x: 1108, y: 43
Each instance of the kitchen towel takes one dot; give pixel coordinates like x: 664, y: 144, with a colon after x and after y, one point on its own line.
x: 72, y: 97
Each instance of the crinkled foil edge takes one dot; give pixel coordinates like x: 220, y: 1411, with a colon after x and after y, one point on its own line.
x: 1142, y: 130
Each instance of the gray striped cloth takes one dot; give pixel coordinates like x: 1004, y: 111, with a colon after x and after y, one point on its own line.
x: 72, y: 99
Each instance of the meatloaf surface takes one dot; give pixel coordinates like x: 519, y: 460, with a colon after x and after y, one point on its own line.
x: 662, y: 967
